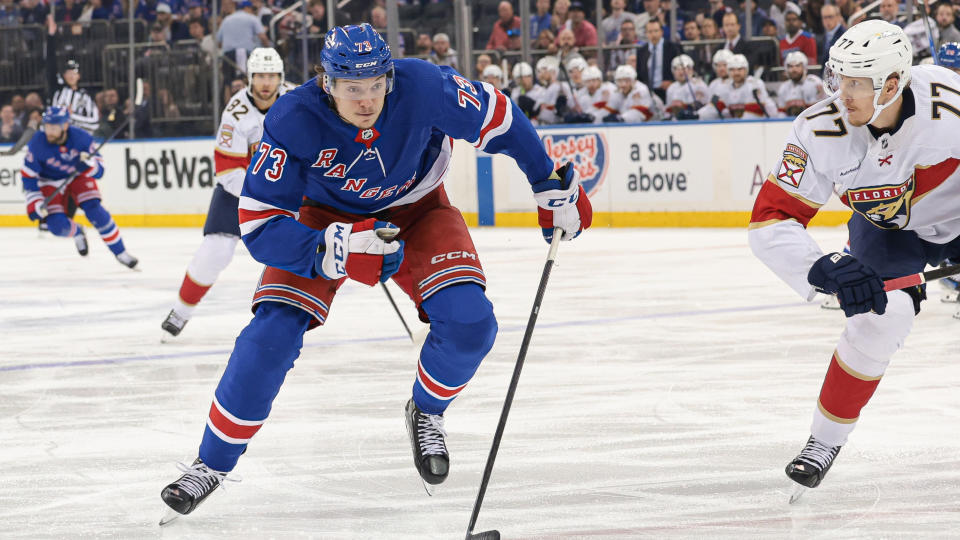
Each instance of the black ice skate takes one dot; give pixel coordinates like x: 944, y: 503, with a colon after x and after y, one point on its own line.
x: 173, y: 324
x: 186, y: 494
x: 811, y: 465
x: 127, y: 260
x: 80, y: 239
x: 429, y: 449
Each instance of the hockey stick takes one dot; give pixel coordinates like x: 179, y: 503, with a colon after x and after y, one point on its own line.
x: 498, y: 435
x: 137, y: 101
x: 387, y: 235
x: 926, y: 25
x: 920, y: 278
x: 756, y: 96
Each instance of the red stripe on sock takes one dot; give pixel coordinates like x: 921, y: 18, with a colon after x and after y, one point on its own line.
x: 843, y: 394
x: 230, y: 429
x: 192, y: 292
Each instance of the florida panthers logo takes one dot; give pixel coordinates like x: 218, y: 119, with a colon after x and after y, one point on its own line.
x: 887, y: 207
x: 792, y: 166
x: 587, y: 152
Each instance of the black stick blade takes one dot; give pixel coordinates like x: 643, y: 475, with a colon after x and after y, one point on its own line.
x: 485, y: 535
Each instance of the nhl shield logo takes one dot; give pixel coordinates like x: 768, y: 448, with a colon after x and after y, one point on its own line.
x: 887, y: 207
x: 587, y: 152
x: 792, y: 166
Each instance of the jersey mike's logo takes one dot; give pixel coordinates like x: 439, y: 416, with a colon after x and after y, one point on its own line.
x: 587, y: 152
x: 792, y: 166
x: 887, y: 207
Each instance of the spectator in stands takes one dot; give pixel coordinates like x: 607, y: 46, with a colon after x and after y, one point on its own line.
x: 69, y: 11
x: 651, y: 11
x: 833, y: 28
x: 442, y: 54
x: 943, y: 12
x: 890, y: 12
x: 318, y: 16
x: 240, y: 33
x: 654, y: 57
x: 545, y: 40
x: 847, y: 8
x: 701, y: 54
x: 33, y: 12
x: 717, y: 10
x: 33, y: 101
x: 111, y: 114
x: 483, y: 61
x: 9, y: 13
x: 812, y: 19
x: 735, y: 43
x: 561, y: 12
x: 778, y: 14
x: 105, y: 10
x: 565, y: 46
x: 628, y: 36
x: 541, y: 20
x: 146, y: 10
x: 204, y: 40
x: 769, y: 29
x: 10, y: 129
x: 196, y: 12
x: 158, y: 36
x: 612, y: 25
x: 424, y: 45
x: 796, y: 39
x: 165, y: 21
x: 19, y: 108
x: 505, y: 34
x: 378, y: 19
x: 691, y: 30
x: 168, y: 107
x: 260, y: 9
x: 584, y: 32
x: 757, y: 18
x: 708, y: 29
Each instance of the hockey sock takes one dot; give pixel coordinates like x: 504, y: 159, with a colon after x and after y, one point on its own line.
x: 462, y: 331
x: 262, y: 355
x: 845, y: 392
x: 102, y: 220
x: 211, y: 258
x: 60, y: 225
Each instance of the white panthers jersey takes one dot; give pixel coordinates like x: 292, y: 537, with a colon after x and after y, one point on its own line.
x: 241, y: 127
x: 716, y: 85
x: 716, y: 106
x: 750, y: 100
x: 793, y: 98
x: 636, y: 106
x: 597, y: 104
x: 548, y: 102
x: 680, y: 95
x: 908, y: 179
x: 534, y: 93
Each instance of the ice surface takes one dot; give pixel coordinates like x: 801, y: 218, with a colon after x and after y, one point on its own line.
x: 670, y: 379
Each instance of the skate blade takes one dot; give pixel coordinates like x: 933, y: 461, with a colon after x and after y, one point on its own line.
x: 486, y: 535
x: 167, y: 337
x: 169, y: 516
x: 830, y: 303
x: 949, y: 298
x: 798, y: 492
x: 429, y: 488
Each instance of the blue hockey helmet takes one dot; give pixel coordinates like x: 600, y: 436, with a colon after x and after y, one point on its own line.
x: 355, y: 52
x: 56, y: 115
x: 949, y: 55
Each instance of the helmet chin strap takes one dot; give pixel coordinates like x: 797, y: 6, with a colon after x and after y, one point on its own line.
x: 877, y: 108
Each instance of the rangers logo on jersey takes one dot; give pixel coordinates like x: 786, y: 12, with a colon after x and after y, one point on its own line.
x: 586, y: 151
x: 887, y: 207
x: 792, y: 166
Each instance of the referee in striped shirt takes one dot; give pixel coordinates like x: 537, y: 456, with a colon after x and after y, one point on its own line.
x: 83, y: 110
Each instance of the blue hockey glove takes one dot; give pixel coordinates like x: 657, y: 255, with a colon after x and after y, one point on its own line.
x: 858, y: 287
x: 363, y: 251
x: 562, y: 203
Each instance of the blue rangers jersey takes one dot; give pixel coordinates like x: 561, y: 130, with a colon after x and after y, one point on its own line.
x: 308, y: 150
x: 48, y: 164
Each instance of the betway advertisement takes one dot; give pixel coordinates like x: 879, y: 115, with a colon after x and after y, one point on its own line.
x: 168, y: 176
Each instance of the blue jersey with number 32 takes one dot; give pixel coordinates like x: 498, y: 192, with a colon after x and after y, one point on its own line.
x: 308, y: 150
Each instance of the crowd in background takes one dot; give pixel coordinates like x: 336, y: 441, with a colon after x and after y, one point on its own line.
x: 638, y: 55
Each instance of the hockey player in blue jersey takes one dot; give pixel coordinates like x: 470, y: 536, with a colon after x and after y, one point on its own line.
x: 346, y: 161
x: 55, y: 155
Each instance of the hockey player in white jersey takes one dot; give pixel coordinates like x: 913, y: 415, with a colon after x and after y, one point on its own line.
x: 721, y: 73
x: 747, y: 97
x: 886, y: 138
x: 632, y: 100
x: 575, y: 68
x: 594, y: 98
x: 241, y: 126
x: 687, y: 93
x: 526, y: 91
x: 801, y: 89
x: 493, y: 75
x: 555, y: 99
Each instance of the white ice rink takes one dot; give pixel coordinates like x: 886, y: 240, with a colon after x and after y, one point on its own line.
x: 670, y: 379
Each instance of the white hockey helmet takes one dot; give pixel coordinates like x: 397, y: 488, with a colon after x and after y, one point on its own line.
x: 795, y: 57
x: 592, y: 73
x: 722, y: 56
x: 264, y: 60
x: 548, y: 63
x: 492, y: 70
x: 522, y: 69
x: 625, y: 72
x: 738, y: 61
x: 577, y: 63
x: 681, y: 61
x: 874, y: 49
